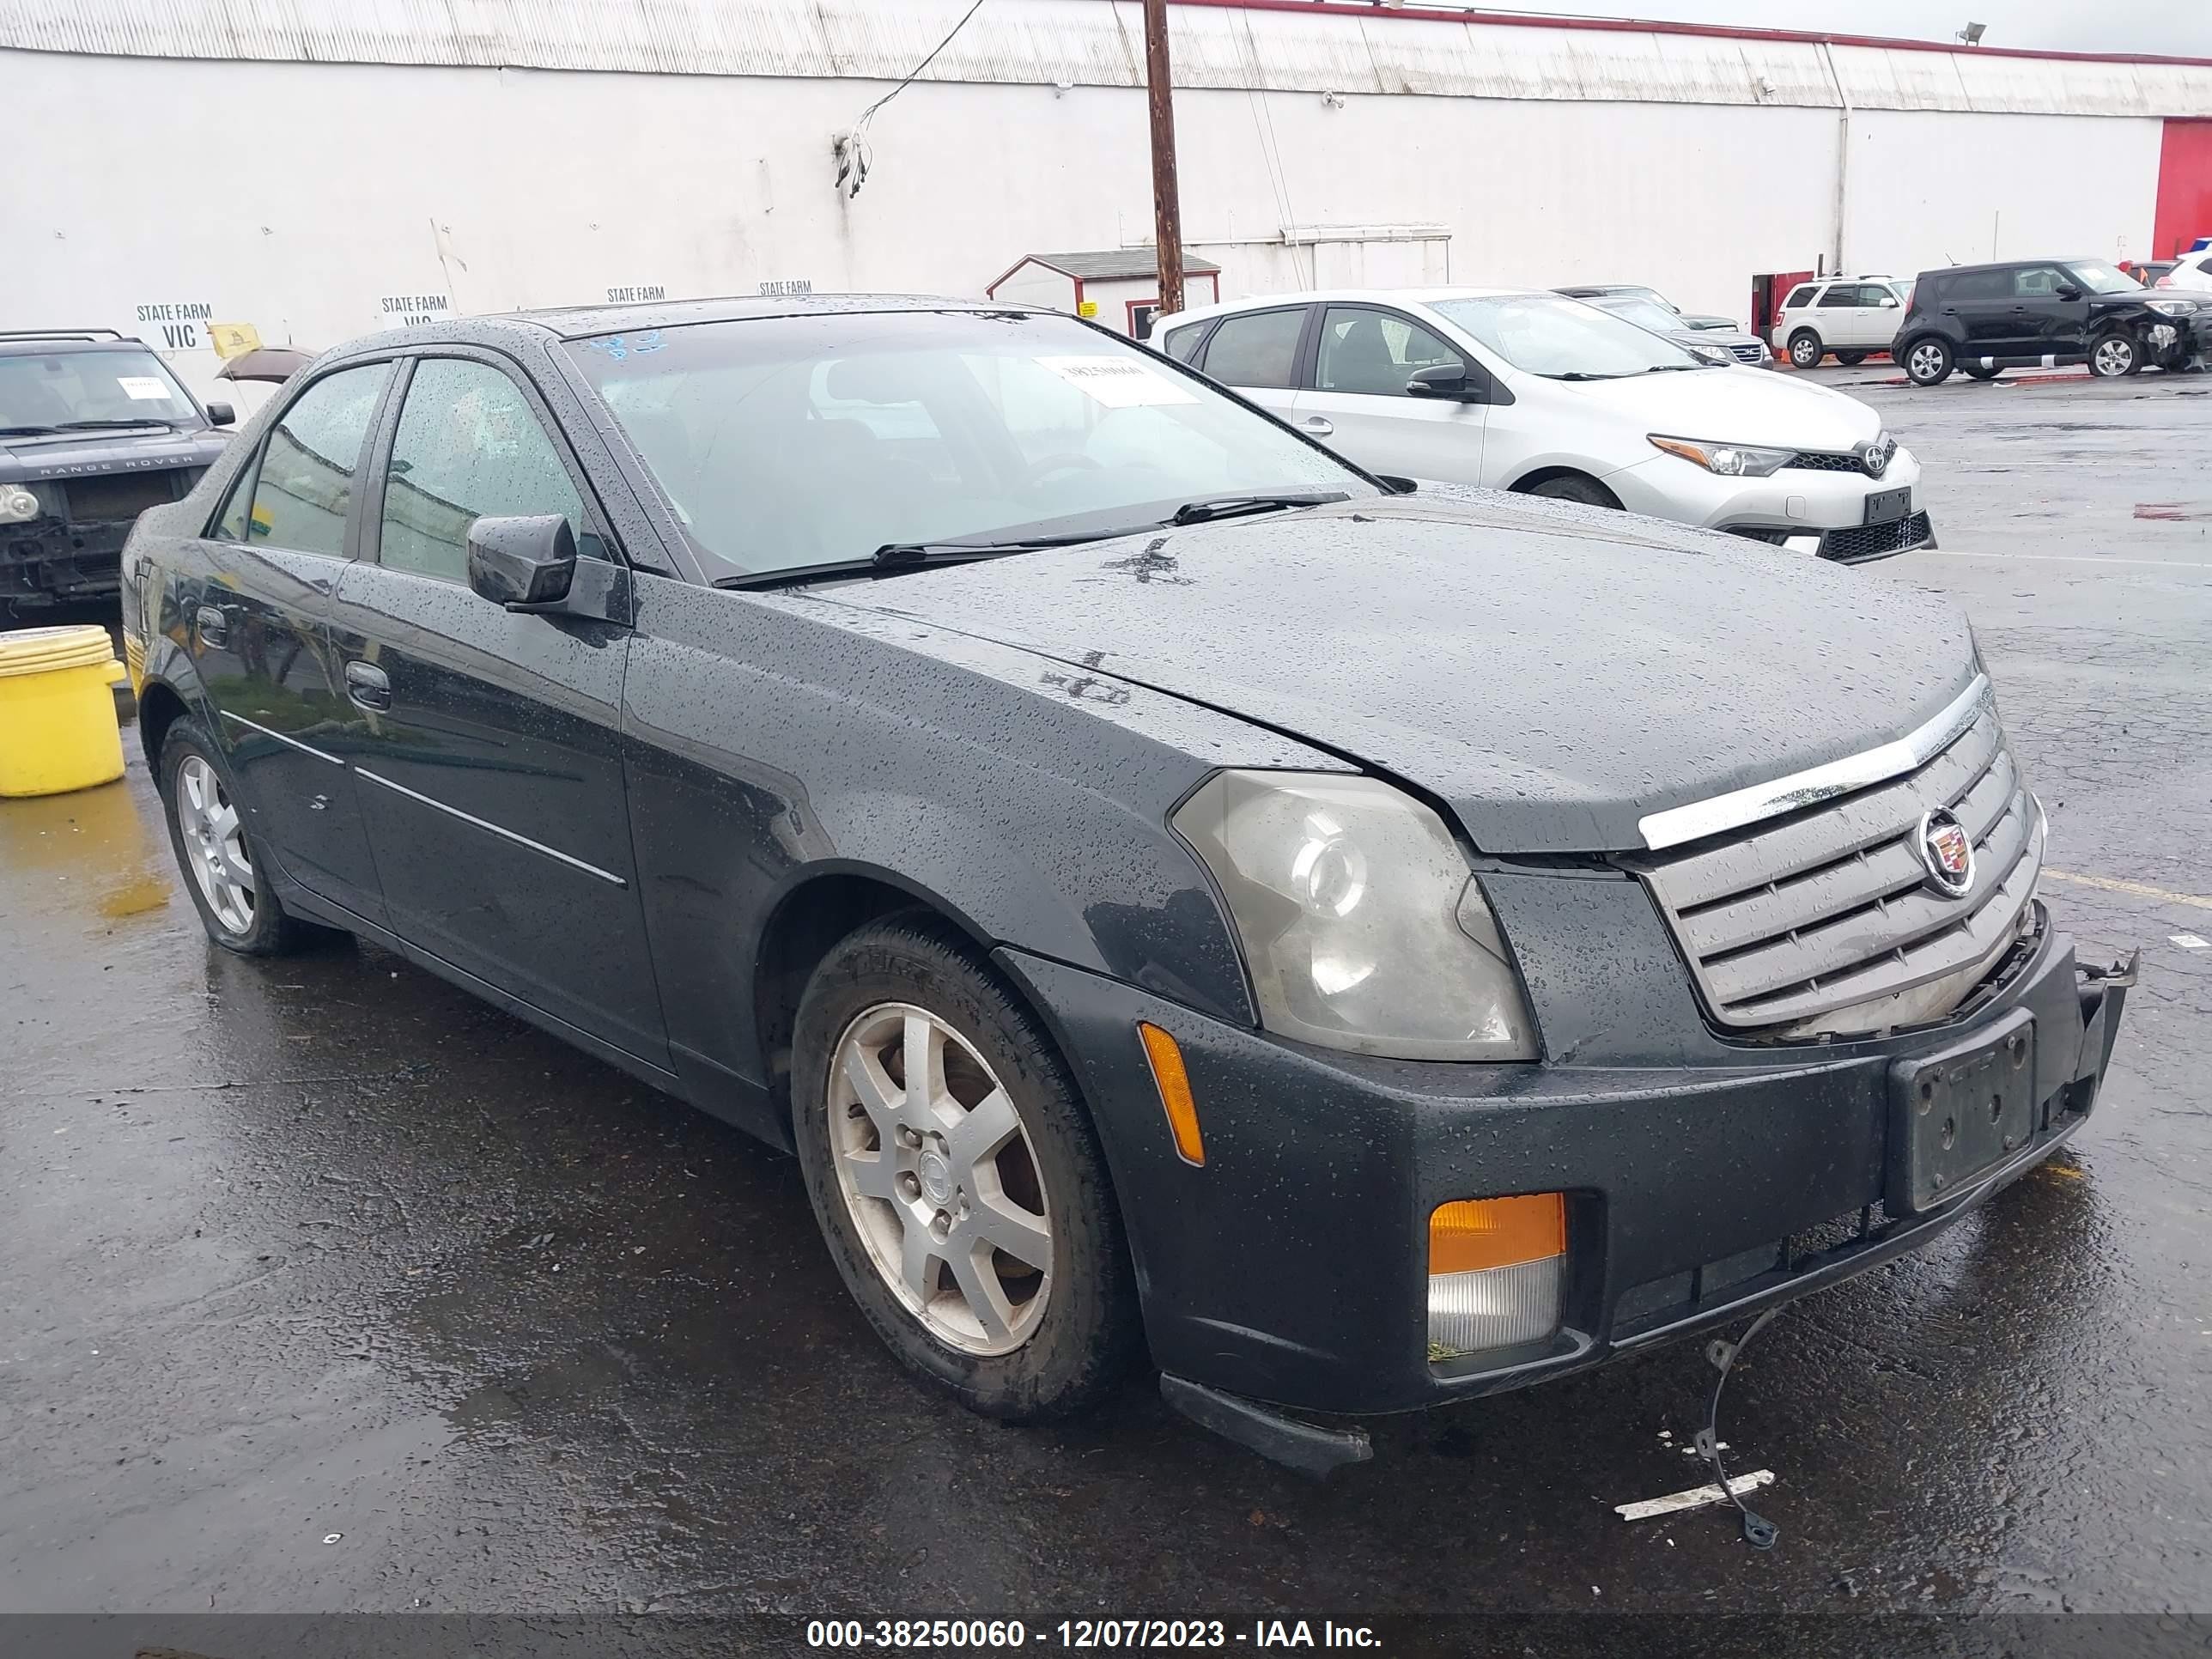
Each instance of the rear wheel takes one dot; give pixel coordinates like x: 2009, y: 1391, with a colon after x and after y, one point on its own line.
x: 225, y: 872
x: 1574, y: 487
x: 955, y: 1176
x: 1851, y: 359
x: 1980, y: 371
x: 1805, y: 348
x: 1928, y: 362
x: 2113, y: 355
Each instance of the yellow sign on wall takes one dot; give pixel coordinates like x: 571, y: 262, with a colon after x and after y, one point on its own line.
x: 1087, y: 308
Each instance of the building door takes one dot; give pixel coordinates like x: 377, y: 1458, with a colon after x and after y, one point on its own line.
x: 1767, y: 293
x: 2185, y: 188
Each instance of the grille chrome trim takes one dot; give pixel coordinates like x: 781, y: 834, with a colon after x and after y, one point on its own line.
x: 1721, y: 813
x: 1827, y: 923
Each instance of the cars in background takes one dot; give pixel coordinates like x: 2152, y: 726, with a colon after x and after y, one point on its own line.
x: 1853, y: 317
x: 1638, y: 291
x: 1746, y: 348
x: 2027, y: 314
x: 1511, y: 389
x: 2189, y: 270
x: 1184, y: 899
x: 94, y: 429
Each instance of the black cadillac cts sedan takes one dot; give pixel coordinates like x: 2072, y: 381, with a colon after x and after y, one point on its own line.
x: 1361, y: 946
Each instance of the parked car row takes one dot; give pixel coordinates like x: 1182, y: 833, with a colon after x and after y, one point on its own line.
x: 1510, y: 389
x: 1982, y: 319
x: 1180, y: 893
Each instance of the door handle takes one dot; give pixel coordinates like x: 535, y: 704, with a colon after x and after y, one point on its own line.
x: 214, y: 626
x: 1320, y: 426
x: 366, y: 685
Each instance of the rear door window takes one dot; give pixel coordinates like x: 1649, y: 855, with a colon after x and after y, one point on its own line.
x: 469, y: 446
x: 304, y: 489
x: 1259, y: 348
x: 1839, y: 295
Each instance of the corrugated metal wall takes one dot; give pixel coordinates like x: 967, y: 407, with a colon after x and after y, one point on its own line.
x: 1098, y: 43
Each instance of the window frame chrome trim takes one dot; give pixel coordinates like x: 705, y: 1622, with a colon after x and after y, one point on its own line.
x: 289, y: 743
x: 504, y: 834
x: 1678, y: 825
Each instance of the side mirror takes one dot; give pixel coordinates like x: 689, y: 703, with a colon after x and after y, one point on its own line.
x: 524, y: 564
x: 1446, y: 380
x: 221, y: 413
x: 2067, y: 291
x: 1887, y: 303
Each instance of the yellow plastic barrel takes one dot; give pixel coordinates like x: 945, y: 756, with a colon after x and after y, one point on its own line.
x: 58, y: 729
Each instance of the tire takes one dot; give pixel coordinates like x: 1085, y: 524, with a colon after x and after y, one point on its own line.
x: 1851, y: 359
x: 1928, y: 362
x: 2114, y: 353
x: 1017, y: 1339
x: 224, y: 869
x: 1806, y: 350
x: 1573, y: 487
x: 1977, y: 372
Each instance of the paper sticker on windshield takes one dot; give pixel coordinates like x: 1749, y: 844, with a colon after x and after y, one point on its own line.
x: 1118, y: 382
x: 149, y: 387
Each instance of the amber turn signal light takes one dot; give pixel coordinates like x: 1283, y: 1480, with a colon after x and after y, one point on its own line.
x: 1473, y: 1234
x: 1173, y: 1082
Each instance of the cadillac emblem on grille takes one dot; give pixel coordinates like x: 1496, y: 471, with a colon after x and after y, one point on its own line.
x: 1947, y: 853
x: 1874, y: 455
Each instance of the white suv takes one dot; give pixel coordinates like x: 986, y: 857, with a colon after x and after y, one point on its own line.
x: 2189, y: 270
x: 1850, y: 316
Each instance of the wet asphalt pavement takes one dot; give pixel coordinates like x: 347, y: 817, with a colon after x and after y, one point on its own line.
x: 329, y: 1288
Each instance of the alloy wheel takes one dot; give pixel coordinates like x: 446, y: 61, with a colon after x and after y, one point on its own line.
x: 2113, y: 356
x: 215, y: 842
x: 1926, y: 362
x: 939, y: 1178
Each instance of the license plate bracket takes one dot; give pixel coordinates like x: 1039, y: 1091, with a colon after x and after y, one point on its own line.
x: 1885, y: 506
x: 1957, y: 1113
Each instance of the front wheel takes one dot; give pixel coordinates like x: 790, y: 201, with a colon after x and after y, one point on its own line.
x: 2111, y: 355
x: 955, y: 1176
x: 224, y: 870
x: 1851, y: 359
x: 1574, y: 487
x: 1928, y: 362
x: 1805, y: 348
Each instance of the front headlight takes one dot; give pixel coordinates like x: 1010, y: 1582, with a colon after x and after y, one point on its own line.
x: 1730, y: 461
x: 17, y: 504
x: 1361, y: 924
x: 2173, y: 307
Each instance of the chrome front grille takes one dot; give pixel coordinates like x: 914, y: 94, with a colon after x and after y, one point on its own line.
x: 1825, y: 922
x: 1747, y: 354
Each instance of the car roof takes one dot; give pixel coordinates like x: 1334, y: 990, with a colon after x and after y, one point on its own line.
x: 2011, y: 265
x: 34, y: 342
x: 581, y: 322
x: 1381, y: 296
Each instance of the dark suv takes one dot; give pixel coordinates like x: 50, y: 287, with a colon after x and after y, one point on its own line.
x: 94, y: 430
x: 2028, y: 314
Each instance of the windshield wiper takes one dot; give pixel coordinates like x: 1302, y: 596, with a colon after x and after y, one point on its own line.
x: 102, y: 426
x: 1677, y: 368
x: 916, y: 556
x: 1577, y: 374
x: 26, y: 431
x: 1228, y: 507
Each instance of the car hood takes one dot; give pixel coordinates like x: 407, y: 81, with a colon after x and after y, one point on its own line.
x: 81, y: 454
x: 1551, y: 673
x: 1732, y: 405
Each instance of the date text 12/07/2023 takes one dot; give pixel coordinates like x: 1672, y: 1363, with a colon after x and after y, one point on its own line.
x: 1000, y: 1635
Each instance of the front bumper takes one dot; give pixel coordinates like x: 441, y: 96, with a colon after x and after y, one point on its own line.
x: 1291, y: 1266
x: 45, y: 562
x: 1809, y: 509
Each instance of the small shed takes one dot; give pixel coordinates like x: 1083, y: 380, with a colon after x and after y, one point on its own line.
x: 1119, y: 287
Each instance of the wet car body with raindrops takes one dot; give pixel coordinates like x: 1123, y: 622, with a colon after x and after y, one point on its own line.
x: 1287, y: 927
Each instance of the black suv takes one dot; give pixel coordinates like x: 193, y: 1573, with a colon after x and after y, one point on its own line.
x: 2029, y: 313
x: 94, y: 430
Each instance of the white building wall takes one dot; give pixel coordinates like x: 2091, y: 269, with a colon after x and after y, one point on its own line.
x: 320, y: 201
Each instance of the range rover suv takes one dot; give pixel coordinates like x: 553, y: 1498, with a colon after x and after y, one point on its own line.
x: 94, y: 430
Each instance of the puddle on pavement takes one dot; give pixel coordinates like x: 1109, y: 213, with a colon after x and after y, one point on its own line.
x: 90, y: 855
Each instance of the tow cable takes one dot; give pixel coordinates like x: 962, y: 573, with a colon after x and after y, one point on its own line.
x: 1759, y: 1532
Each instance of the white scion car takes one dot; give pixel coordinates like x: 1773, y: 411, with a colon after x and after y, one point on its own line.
x: 1850, y: 316
x: 1513, y: 389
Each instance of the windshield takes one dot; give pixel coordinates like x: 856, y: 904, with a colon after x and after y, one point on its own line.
x: 792, y: 441
x: 1564, y: 339
x: 55, y: 388
x: 2100, y: 278
x: 1644, y: 313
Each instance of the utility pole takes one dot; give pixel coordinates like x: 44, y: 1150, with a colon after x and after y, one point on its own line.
x: 1167, y: 206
